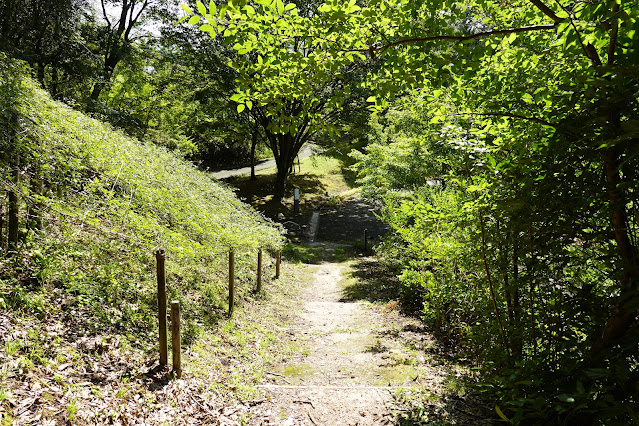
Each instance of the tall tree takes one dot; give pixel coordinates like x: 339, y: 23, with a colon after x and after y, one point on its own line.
x: 292, y: 102
x: 48, y: 35
x: 117, y: 36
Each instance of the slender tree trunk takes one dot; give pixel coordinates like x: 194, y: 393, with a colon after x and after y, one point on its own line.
x: 530, y: 268
x: 2, y: 221
x: 490, y: 284
x: 253, y: 146
x: 14, y: 210
x: 625, y: 310
x: 503, y: 251
x: 517, y: 335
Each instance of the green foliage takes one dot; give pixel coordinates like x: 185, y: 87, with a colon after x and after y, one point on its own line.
x: 108, y: 203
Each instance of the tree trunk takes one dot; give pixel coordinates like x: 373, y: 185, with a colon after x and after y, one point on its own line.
x: 625, y: 310
x: 2, y: 213
x: 253, y: 146
x: 14, y: 207
x: 284, y: 161
x: 280, y: 183
x: 97, y: 89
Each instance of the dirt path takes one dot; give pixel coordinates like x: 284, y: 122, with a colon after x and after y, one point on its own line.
x: 306, y: 151
x: 354, y: 358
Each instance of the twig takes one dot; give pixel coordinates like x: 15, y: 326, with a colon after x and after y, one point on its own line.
x: 214, y: 415
x: 279, y: 375
x: 299, y: 401
x: 311, y: 418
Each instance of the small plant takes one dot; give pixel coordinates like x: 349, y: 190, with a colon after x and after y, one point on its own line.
x: 59, y: 379
x: 12, y: 347
x: 72, y: 410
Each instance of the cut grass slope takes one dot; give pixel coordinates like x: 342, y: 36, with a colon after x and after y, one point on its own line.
x: 107, y: 203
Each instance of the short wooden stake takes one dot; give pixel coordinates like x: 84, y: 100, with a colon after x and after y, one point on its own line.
x: 160, y: 257
x: 278, y: 260
x: 259, y: 270
x: 176, y: 341
x: 231, y: 280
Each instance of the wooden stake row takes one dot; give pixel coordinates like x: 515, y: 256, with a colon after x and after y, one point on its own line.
x: 258, y: 288
x: 176, y: 343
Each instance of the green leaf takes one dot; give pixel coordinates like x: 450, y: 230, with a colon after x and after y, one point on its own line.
x: 206, y: 27
x: 212, y: 8
x: 249, y: 104
x: 280, y: 7
x: 186, y: 8
x: 371, y: 99
x: 240, y: 108
x: 501, y: 414
x: 289, y: 6
x: 194, y: 20
x: 201, y: 8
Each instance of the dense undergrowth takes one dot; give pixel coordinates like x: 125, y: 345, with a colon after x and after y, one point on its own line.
x: 93, y: 207
x: 515, y: 263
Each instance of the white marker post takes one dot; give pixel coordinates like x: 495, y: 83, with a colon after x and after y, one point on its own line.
x: 296, y: 200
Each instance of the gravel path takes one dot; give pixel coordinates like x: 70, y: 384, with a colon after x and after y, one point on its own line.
x: 355, y: 359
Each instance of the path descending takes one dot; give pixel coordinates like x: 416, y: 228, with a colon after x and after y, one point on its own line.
x: 354, y: 360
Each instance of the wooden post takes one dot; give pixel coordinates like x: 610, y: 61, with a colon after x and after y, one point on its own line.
x: 231, y: 280
x: 296, y: 200
x: 160, y: 257
x: 365, y: 241
x: 259, y: 270
x: 278, y: 260
x: 176, y: 341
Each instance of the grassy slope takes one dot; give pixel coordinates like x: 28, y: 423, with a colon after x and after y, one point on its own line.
x: 79, y: 296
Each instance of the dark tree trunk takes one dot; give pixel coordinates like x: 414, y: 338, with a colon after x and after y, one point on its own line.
x: 625, y: 310
x: 284, y: 159
x: 280, y: 183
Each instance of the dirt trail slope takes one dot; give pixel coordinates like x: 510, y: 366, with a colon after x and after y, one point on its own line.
x: 355, y: 357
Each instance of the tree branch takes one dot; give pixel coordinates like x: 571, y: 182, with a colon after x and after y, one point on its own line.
x: 546, y: 11
x: 106, y: 17
x: 521, y: 117
x: 460, y: 39
x: 613, y: 36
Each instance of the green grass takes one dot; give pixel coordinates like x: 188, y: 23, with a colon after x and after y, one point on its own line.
x: 320, y: 175
x: 83, y: 285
